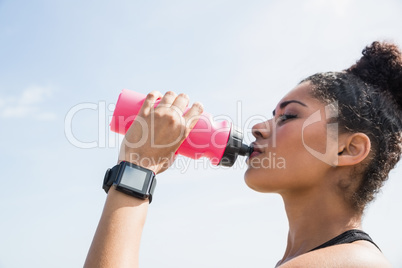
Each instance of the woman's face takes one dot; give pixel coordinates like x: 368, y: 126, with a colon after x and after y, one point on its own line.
x: 292, y: 150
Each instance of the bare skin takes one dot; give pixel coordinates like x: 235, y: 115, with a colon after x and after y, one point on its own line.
x: 316, y: 206
x: 117, y: 239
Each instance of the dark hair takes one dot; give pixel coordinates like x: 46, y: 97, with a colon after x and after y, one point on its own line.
x: 369, y: 97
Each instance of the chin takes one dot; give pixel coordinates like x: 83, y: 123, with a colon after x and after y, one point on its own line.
x: 252, y: 181
x: 259, y: 181
x: 252, y: 187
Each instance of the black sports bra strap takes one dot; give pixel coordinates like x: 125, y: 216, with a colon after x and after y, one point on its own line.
x: 347, y: 237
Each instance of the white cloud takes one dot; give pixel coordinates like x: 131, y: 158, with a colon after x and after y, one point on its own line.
x: 34, y: 95
x: 26, y: 105
x: 16, y: 111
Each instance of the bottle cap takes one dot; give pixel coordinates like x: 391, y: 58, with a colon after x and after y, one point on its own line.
x: 234, y: 147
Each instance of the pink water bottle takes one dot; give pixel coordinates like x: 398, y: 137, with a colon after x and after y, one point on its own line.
x: 221, y: 142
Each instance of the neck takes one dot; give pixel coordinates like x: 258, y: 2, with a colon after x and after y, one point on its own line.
x: 314, y: 218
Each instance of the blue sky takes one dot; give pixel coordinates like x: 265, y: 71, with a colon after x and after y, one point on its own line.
x: 230, y: 55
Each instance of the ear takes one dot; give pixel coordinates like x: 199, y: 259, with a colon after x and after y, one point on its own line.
x: 353, y: 149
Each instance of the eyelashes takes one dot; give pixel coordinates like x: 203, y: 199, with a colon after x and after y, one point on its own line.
x: 284, y: 117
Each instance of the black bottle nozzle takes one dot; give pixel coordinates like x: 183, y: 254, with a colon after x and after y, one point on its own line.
x: 234, y: 147
x: 245, y: 149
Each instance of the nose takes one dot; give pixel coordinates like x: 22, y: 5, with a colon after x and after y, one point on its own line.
x: 262, y: 130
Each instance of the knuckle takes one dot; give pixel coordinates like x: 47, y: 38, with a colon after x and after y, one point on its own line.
x: 158, y: 113
x: 153, y: 95
x: 183, y: 95
x: 170, y: 93
x: 170, y: 118
x: 199, y: 107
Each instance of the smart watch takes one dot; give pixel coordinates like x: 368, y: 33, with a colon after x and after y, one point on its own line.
x: 131, y: 179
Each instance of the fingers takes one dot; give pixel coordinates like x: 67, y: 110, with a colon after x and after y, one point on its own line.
x: 181, y: 102
x: 177, y: 102
x: 168, y: 99
x: 150, y: 100
x: 193, y: 114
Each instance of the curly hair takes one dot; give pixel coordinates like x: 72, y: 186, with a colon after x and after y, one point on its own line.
x: 369, y: 96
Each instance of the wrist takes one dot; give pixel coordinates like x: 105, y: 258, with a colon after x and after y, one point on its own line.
x: 136, y: 159
x: 120, y: 199
x: 154, y: 169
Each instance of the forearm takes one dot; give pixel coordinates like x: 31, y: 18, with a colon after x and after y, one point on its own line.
x: 117, y: 239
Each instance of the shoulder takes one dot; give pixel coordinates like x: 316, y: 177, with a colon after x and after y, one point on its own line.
x: 357, y: 254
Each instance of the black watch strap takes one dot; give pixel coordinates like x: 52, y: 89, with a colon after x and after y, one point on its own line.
x: 151, y: 191
x: 110, y: 176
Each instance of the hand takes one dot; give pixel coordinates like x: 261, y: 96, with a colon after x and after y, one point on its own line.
x: 157, y: 133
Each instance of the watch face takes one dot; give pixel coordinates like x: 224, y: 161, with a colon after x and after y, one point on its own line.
x: 135, y: 178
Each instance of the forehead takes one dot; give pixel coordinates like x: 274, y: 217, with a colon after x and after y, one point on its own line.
x: 302, y: 93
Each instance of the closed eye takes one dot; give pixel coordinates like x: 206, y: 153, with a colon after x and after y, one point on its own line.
x: 283, y: 117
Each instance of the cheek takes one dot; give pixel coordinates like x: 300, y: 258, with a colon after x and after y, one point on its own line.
x: 314, y: 138
x: 320, y: 143
x: 288, y: 163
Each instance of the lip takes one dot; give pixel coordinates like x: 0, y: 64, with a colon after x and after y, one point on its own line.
x: 255, y: 153
x: 256, y: 150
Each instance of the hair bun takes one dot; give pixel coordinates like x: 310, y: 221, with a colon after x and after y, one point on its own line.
x: 381, y: 65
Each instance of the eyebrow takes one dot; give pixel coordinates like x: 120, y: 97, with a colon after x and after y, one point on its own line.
x: 285, y: 103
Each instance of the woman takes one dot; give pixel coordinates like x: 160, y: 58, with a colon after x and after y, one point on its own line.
x: 340, y: 135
